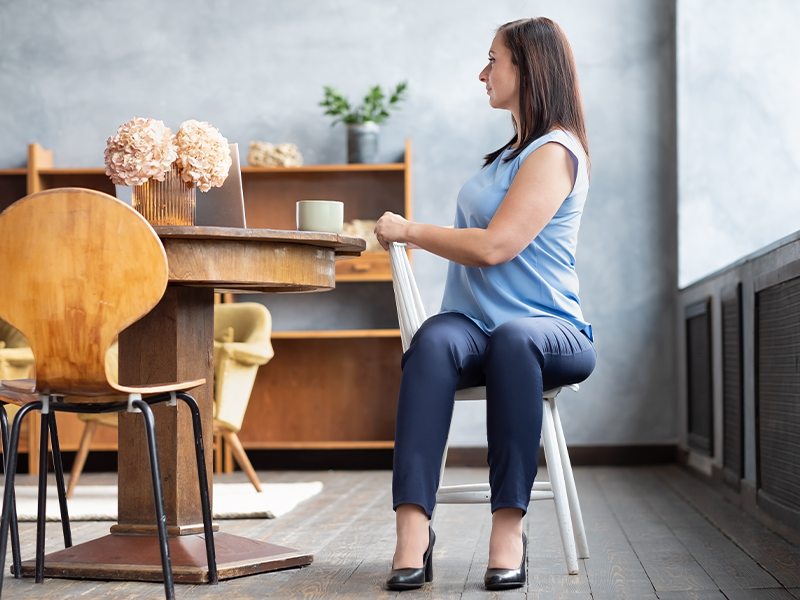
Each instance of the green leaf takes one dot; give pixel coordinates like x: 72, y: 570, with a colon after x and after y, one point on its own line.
x: 374, y: 108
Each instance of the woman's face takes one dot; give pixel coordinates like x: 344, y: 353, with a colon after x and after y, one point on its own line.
x: 501, y: 77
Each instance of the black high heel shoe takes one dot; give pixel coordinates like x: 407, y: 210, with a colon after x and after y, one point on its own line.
x: 412, y: 579
x: 506, y: 579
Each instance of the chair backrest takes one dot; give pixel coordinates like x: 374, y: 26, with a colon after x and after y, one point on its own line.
x: 251, y: 323
x: 410, y: 311
x: 78, y: 266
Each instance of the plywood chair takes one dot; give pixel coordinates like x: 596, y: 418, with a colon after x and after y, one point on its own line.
x: 78, y: 267
x: 561, y: 487
x: 241, y: 344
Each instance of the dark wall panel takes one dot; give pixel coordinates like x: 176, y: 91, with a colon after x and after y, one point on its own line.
x: 698, y: 367
x: 778, y: 395
x: 732, y: 384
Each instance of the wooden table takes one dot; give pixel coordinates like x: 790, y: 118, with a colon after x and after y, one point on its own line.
x: 174, y: 342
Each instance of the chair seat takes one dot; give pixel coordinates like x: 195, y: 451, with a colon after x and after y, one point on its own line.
x: 105, y: 419
x: 479, y: 393
x: 17, y: 391
x: 22, y: 391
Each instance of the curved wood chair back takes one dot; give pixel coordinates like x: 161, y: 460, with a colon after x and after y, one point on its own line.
x: 77, y: 267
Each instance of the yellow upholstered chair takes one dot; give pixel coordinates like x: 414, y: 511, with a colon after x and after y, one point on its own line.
x: 16, y: 356
x: 16, y: 359
x: 241, y: 345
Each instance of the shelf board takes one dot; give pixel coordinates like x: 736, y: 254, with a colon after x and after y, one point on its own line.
x: 255, y: 170
x: 303, y: 445
x: 334, y: 334
x: 12, y: 172
x: 325, y: 168
x: 90, y: 171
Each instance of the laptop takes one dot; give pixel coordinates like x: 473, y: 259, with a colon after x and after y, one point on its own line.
x: 223, y: 206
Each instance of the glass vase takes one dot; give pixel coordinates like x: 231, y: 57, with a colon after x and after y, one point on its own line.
x: 168, y: 202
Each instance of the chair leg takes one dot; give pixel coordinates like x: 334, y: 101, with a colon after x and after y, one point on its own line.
x: 80, y: 457
x: 241, y: 457
x: 158, y: 493
x: 217, y: 453
x: 33, y: 444
x: 572, y: 492
x: 58, y: 467
x: 15, y: 551
x: 8, y: 489
x: 41, y: 516
x: 202, y: 476
x: 227, y: 458
x: 559, y: 491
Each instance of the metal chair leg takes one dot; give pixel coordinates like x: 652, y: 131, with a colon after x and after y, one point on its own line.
x: 41, y: 516
x: 8, y: 491
x: 155, y: 471
x: 16, y: 558
x: 202, y: 475
x: 59, y: 469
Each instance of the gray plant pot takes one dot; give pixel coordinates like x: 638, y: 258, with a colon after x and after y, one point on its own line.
x: 362, y: 142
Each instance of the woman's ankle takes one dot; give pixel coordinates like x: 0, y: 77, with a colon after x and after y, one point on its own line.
x: 505, y: 543
x: 412, y: 536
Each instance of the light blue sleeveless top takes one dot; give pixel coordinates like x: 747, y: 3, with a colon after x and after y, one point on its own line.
x: 540, y: 280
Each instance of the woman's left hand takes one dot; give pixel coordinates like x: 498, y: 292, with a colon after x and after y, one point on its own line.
x: 391, y: 228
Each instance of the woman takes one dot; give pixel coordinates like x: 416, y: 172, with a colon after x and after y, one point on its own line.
x: 511, y: 317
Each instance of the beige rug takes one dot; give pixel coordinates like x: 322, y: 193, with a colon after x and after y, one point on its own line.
x: 231, y: 501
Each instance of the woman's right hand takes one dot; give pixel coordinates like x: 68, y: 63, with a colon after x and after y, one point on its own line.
x: 391, y: 228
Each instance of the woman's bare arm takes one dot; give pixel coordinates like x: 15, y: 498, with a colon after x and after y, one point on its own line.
x: 544, y: 179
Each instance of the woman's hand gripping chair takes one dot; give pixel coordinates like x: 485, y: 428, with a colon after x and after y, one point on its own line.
x: 560, y: 488
x: 241, y: 344
x: 78, y: 267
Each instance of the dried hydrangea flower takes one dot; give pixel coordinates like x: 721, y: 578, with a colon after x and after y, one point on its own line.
x: 142, y: 149
x: 203, y: 154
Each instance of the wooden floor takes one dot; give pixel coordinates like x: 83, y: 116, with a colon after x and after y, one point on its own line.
x: 654, y: 532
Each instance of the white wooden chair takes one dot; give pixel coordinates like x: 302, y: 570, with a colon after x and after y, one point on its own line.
x: 560, y: 488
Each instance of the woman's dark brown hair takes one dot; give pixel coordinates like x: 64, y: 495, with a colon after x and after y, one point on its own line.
x: 549, y: 95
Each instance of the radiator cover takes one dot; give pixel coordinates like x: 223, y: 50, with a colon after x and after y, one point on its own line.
x: 732, y: 386
x: 699, y: 377
x: 778, y: 396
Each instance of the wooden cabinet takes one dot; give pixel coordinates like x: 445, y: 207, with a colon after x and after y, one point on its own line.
x: 335, y: 377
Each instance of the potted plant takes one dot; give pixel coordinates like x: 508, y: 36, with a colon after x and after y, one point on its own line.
x: 362, y: 121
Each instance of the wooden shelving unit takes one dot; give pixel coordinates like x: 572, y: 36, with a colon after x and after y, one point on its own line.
x: 329, y: 386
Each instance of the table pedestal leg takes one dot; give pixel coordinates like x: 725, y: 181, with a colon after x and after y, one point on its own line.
x: 174, y: 342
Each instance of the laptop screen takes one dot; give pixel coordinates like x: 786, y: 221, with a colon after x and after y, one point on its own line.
x: 223, y: 206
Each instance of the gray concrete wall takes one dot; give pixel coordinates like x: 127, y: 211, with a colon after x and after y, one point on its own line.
x: 71, y: 72
x: 738, y: 123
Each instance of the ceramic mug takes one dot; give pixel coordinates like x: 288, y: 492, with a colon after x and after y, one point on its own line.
x: 320, y: 215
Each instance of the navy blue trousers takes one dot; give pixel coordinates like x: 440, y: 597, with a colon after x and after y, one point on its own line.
x: 520, y: 360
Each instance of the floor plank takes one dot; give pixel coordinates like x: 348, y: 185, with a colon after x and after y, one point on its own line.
x: 669, y: 565
x: 613, y: 569
x: 778, y: 556
x: 654, y: 533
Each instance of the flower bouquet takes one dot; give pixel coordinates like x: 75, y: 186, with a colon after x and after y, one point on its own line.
x: 164, y: 169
